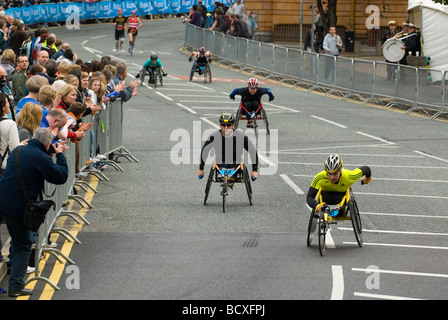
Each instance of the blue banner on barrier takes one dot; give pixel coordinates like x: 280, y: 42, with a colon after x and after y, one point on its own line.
x: 53, y: 12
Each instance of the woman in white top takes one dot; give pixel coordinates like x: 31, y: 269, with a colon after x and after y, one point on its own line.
x: 9, y: 135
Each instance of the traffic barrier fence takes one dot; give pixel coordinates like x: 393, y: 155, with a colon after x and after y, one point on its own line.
x: 104, y: 137
x: 413, y: 89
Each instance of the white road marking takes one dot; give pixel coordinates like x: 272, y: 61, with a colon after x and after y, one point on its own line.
x: 375, y: 138
x: 382, y: 296
x: 408, y: 273
x: 188, y: 109
x: 337, y: 292
x: 328, y: 121
x: 291, y: 184
x: 398, y: 245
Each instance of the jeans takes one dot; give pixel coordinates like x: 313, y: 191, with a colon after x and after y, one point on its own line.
x: 21, y: 250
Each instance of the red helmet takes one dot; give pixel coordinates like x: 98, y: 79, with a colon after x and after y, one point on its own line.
x: 202, y: 50
x: 253, y: 83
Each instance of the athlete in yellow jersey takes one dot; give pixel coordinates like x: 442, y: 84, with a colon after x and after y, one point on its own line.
x: 335, y: 181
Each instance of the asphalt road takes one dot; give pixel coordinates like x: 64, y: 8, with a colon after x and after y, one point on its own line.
x: 151, y: 237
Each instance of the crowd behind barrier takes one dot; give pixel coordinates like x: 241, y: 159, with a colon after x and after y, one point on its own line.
x: 412, y: 89
x: 107, y: 137
x: 64, y: 11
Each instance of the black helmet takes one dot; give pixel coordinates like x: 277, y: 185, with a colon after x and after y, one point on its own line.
x: 153, y: 57
x: 333, y: 163
x: 227, y: 118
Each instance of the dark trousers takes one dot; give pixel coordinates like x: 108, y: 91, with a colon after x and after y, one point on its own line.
x: 20, y: 252
x: 250, y: 106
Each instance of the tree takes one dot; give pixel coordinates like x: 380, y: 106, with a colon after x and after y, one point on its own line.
x: 328, y: 13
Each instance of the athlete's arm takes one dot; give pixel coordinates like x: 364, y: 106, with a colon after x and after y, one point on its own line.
x: 311, y: 197
x: 208, y: 146
x: 234, y: 93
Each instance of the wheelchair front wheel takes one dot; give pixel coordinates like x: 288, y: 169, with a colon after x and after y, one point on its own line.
x: 322, y: 234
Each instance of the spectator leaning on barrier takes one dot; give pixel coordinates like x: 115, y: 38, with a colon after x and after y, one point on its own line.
x: 36, y: 166
x: 129, y: 91
x: 196, y: 16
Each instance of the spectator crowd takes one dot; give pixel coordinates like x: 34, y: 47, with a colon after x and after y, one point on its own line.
x: 44, y: 84
x: 233, y: 20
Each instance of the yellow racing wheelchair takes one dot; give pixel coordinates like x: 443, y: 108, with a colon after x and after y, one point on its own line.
x: 347, y: 209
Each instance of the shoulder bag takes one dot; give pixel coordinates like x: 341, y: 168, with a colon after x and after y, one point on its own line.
x: 35, y: 210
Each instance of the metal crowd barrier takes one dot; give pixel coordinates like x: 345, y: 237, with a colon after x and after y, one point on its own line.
x: 106, y: 138
x: 413, y: 89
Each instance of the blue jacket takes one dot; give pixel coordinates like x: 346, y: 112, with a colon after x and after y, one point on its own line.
x: 37, y: 166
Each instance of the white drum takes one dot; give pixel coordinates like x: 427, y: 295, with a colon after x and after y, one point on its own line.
x: 392, y: 50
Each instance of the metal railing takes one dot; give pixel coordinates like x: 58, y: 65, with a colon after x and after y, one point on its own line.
x: 421, y: 90
x: 105, y: 136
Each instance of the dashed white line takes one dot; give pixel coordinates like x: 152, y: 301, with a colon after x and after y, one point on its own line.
x: 430, y: 156
x: 164, y: 96
x: 291, y: 184
x: 330, y: 122
x: 186, y: 108
x: 375, y: 138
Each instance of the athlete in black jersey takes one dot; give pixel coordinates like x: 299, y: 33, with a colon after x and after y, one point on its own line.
x: 251, y: 97
x: 202, y: 58
x: 229, y: 144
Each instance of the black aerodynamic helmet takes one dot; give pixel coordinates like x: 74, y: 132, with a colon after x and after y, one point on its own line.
x: 227, y: 118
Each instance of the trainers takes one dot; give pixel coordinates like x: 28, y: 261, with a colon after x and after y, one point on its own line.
x: 30, y: 270
x: 99, y: 157
x: 165, y: 74
x: 81, y: 175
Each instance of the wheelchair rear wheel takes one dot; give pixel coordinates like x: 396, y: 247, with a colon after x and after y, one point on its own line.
x: 265, y: 118
x: 237, y: 118
x: 311, y: 228
x: 142, y: 76
x: 246, y: 180
x: 356, y: 220
x: 209, y: 184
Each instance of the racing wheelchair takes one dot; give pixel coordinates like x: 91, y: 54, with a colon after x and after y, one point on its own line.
x: 347, y: 209
x: 227, y: 178
x: 259, y: 114
x: 157, y: 75
x: 202, y: 70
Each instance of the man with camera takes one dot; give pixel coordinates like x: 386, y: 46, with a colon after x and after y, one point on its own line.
x: 36, y: 166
